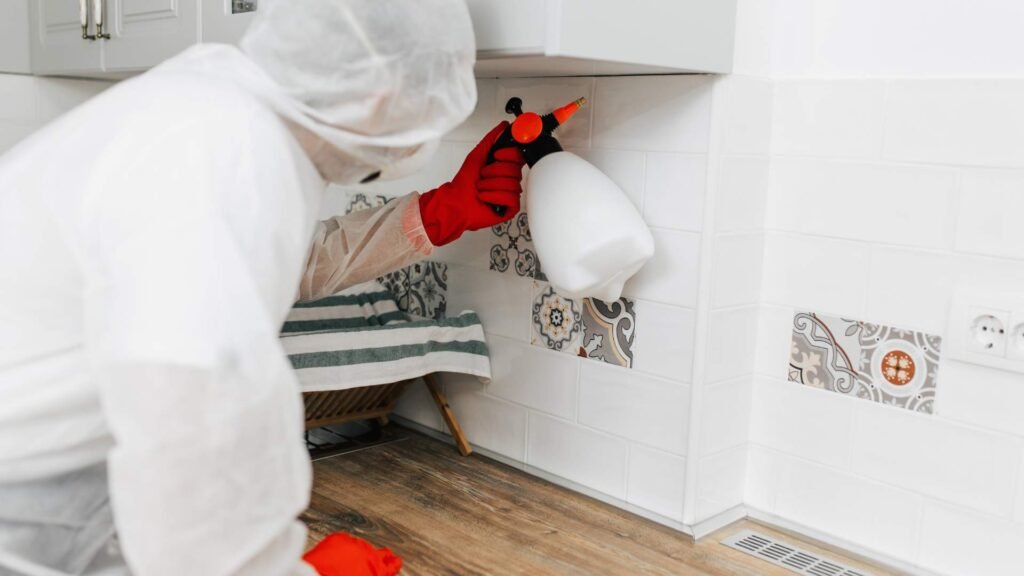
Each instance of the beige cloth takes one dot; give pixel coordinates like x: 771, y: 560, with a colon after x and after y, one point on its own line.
x: 364, y: 245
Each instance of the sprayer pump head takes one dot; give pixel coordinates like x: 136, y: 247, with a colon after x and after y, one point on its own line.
x: 532, y: 133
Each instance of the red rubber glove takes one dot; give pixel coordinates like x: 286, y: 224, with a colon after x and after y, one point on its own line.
x: 465, y: 202
x: 341, y: 554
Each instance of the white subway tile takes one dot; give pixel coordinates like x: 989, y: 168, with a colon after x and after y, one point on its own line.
x: 982, y: 396
x: 725, y: 415
x: 417, y: 405
x: 534, y: 377
x: 670, y: 277
x: 833, y: 118
x: 762, y: 478
x: 674, y: 191
x: 656, y: 481
x: 488, y: 422
x: 958, y: 542
x: 816, y: 274
x: 472, y: 249
x: 542, y: 95
x: 657, y: 113
x: 720, y: 482
x: 624, y: 167
x: 732, y: 344
x: 907, y: 205
x: 742, y: 190
x: 934, y: 457
x: 736, y: 274
x: 969, y: 121
x: 746, y: 114
x: 503, y: 301
x: 55, y: 96
x: 774, y: 341
x: 910, y: 289
x: 802, y: 421
x: 14, y: 131
x: 585, y: 456
x: 991, y: 206
x: 870, y: 514
x: 635, y: 406
x: 485, y: 116
x: 664, y: 340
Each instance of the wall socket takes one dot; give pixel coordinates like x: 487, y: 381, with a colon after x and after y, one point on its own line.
x: 986, y: 327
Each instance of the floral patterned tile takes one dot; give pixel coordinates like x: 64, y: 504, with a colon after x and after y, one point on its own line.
x: 878, y: 363
x: 557, y: 321
x: 609, y: 330
x: 513, y: 249
x: 421, y: 289
x: 602, y: 331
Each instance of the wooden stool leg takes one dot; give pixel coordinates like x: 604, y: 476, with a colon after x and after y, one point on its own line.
x: 449, y: 417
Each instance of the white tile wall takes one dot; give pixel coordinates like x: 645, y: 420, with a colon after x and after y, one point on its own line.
x: 747, y: 125
x: 634, y: 406
x: 919, y: 304
x: 917, y: 452
x: 732, y: 343
x: 796, y: 419
x: 488, y: 422
x: 736, y: 269
x: 774, y: 337
x: 534, y: 377
x: 655, y: 113
x: 503, y: 301
x: 674, y: 191
x: 835, y: 118
x: 982, y: 396
x: 816, y: 274
x: 742, y: 187
x: 591, y: 458
x: 912, y: 206
x: 656, y: 481
x: 725, y: 415
x: 720, y: 482
x: 955, y: 542
x: 664, y: 347
x: 975, y: 122
x: 670, y: 277
x: 991, y: 204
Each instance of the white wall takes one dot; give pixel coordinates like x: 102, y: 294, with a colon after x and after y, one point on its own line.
x: 897, y: 170
x: 27, y: 103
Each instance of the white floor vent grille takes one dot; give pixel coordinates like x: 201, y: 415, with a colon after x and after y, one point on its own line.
x: 791, y: 557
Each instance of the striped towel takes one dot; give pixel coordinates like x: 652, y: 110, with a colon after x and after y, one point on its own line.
x: 360, y: 338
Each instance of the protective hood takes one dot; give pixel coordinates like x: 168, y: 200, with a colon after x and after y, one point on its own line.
x: 366, y: 83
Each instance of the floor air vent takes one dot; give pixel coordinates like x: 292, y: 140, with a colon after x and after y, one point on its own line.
x: 791, y: 557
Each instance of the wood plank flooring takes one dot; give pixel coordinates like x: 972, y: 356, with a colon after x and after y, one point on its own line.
x: 445, y: 514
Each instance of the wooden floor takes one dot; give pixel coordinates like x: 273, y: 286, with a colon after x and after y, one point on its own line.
x: 446, y: 514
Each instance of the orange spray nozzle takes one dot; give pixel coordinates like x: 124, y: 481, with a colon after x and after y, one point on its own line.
x: 565, y: 112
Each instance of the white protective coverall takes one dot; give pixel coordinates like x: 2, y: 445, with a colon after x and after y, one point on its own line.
x: 151, y: 244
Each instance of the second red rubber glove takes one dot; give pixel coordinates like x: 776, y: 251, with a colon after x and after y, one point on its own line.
x: 465, y: 202
x: 341, y: 554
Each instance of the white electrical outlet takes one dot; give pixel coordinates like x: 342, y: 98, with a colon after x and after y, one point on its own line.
x: 1015, y: 338
x: 987, y: 331
x: 986, y: 327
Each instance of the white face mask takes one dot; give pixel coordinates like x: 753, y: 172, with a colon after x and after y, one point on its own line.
x: 411, y: 163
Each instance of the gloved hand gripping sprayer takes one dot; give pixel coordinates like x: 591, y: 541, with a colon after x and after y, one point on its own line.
x: 589, y: 236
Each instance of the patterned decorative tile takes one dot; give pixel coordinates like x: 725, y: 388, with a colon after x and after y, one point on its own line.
x: 557, y: 321
x: 513, y: 249
x: 361, y: 201
x: 428, y: 290
x: 609, y: 330
x: 870, y: 361
x: 421, y: 289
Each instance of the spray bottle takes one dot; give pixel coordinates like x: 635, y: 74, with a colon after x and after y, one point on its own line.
x: 589, y: 237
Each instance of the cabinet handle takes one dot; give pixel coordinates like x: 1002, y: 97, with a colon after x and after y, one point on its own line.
x: 83, y: 17
x: 100, y: 8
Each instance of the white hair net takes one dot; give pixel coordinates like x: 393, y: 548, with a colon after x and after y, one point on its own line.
x: 370, y: 81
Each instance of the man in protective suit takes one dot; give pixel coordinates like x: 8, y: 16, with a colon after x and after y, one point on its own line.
x: 152, y: 242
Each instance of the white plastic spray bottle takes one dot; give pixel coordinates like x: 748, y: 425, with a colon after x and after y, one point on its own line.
x: 589, y: 237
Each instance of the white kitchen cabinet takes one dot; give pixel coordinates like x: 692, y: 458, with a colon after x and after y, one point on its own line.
x: 56, y: 39
x: 514, y: 38
x: 14, y: 50
x: 144, y: 33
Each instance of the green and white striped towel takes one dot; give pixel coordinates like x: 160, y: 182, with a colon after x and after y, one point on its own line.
x: 360, y: 338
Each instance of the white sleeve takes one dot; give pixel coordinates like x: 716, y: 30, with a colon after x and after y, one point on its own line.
x: 183, y: 303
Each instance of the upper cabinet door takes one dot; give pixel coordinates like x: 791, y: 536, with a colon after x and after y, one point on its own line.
x: 56, y: 39
x: 143, y: 33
